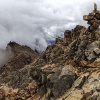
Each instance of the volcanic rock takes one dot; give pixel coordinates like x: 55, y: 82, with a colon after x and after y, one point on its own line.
x: 66, y: 70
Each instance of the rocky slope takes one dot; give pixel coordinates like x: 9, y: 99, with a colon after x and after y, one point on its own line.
x: 67, y: 70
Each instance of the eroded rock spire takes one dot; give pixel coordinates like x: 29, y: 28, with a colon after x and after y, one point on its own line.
x: 95, y: 7
x: 93, y: 19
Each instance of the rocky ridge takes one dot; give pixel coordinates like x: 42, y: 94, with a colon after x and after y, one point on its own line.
x: 67, y: 70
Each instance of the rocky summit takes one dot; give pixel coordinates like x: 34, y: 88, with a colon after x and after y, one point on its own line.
x: 66, y: 70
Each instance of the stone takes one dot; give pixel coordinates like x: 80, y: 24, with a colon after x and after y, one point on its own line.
x: 67, y: 34
x: 62, y: 85
x: 32, y: 87
x: 2, y: 94
x: 87, y: 18
x: 66, y: 70
x: 97, y: 51
x: 63, y: 82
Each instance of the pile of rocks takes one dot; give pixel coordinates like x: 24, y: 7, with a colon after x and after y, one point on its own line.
x: 67, y: 70
x: 93, y: 19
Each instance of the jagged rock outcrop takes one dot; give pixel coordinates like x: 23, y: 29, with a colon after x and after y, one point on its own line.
x: 66, y: 70
x: 23, y: 55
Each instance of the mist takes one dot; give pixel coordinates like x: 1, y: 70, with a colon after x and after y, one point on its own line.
x: 36, y: 22
x: 5, y: 56
x: 29, y: 21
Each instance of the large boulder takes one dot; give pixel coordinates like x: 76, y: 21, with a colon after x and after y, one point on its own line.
x: 93, y: 50
x: 62, y: 80
x: 85, y: 87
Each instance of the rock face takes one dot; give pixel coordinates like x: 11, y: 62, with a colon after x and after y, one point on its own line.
x: 23, y: 56
x: 66, y: 70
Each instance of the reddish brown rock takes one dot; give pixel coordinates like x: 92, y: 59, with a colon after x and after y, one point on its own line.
x: 66, y: 70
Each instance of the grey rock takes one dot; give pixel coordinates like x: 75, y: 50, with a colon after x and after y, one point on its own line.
x: 64, y: 81
x: 62, y: 85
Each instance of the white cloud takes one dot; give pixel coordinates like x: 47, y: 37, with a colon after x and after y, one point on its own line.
x: 5, y: 55
x: 29, y: 21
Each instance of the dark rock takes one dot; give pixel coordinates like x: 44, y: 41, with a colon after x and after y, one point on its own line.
x: 62, y: 85
x: 62, y: 80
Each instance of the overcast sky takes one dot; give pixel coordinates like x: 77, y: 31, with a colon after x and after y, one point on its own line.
x: 32, y: 22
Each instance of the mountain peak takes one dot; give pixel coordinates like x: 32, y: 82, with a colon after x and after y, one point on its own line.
x: 66, y: 70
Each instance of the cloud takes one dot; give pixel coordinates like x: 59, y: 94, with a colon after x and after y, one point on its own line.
x: 34, y: 22
x: 5, y: 55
